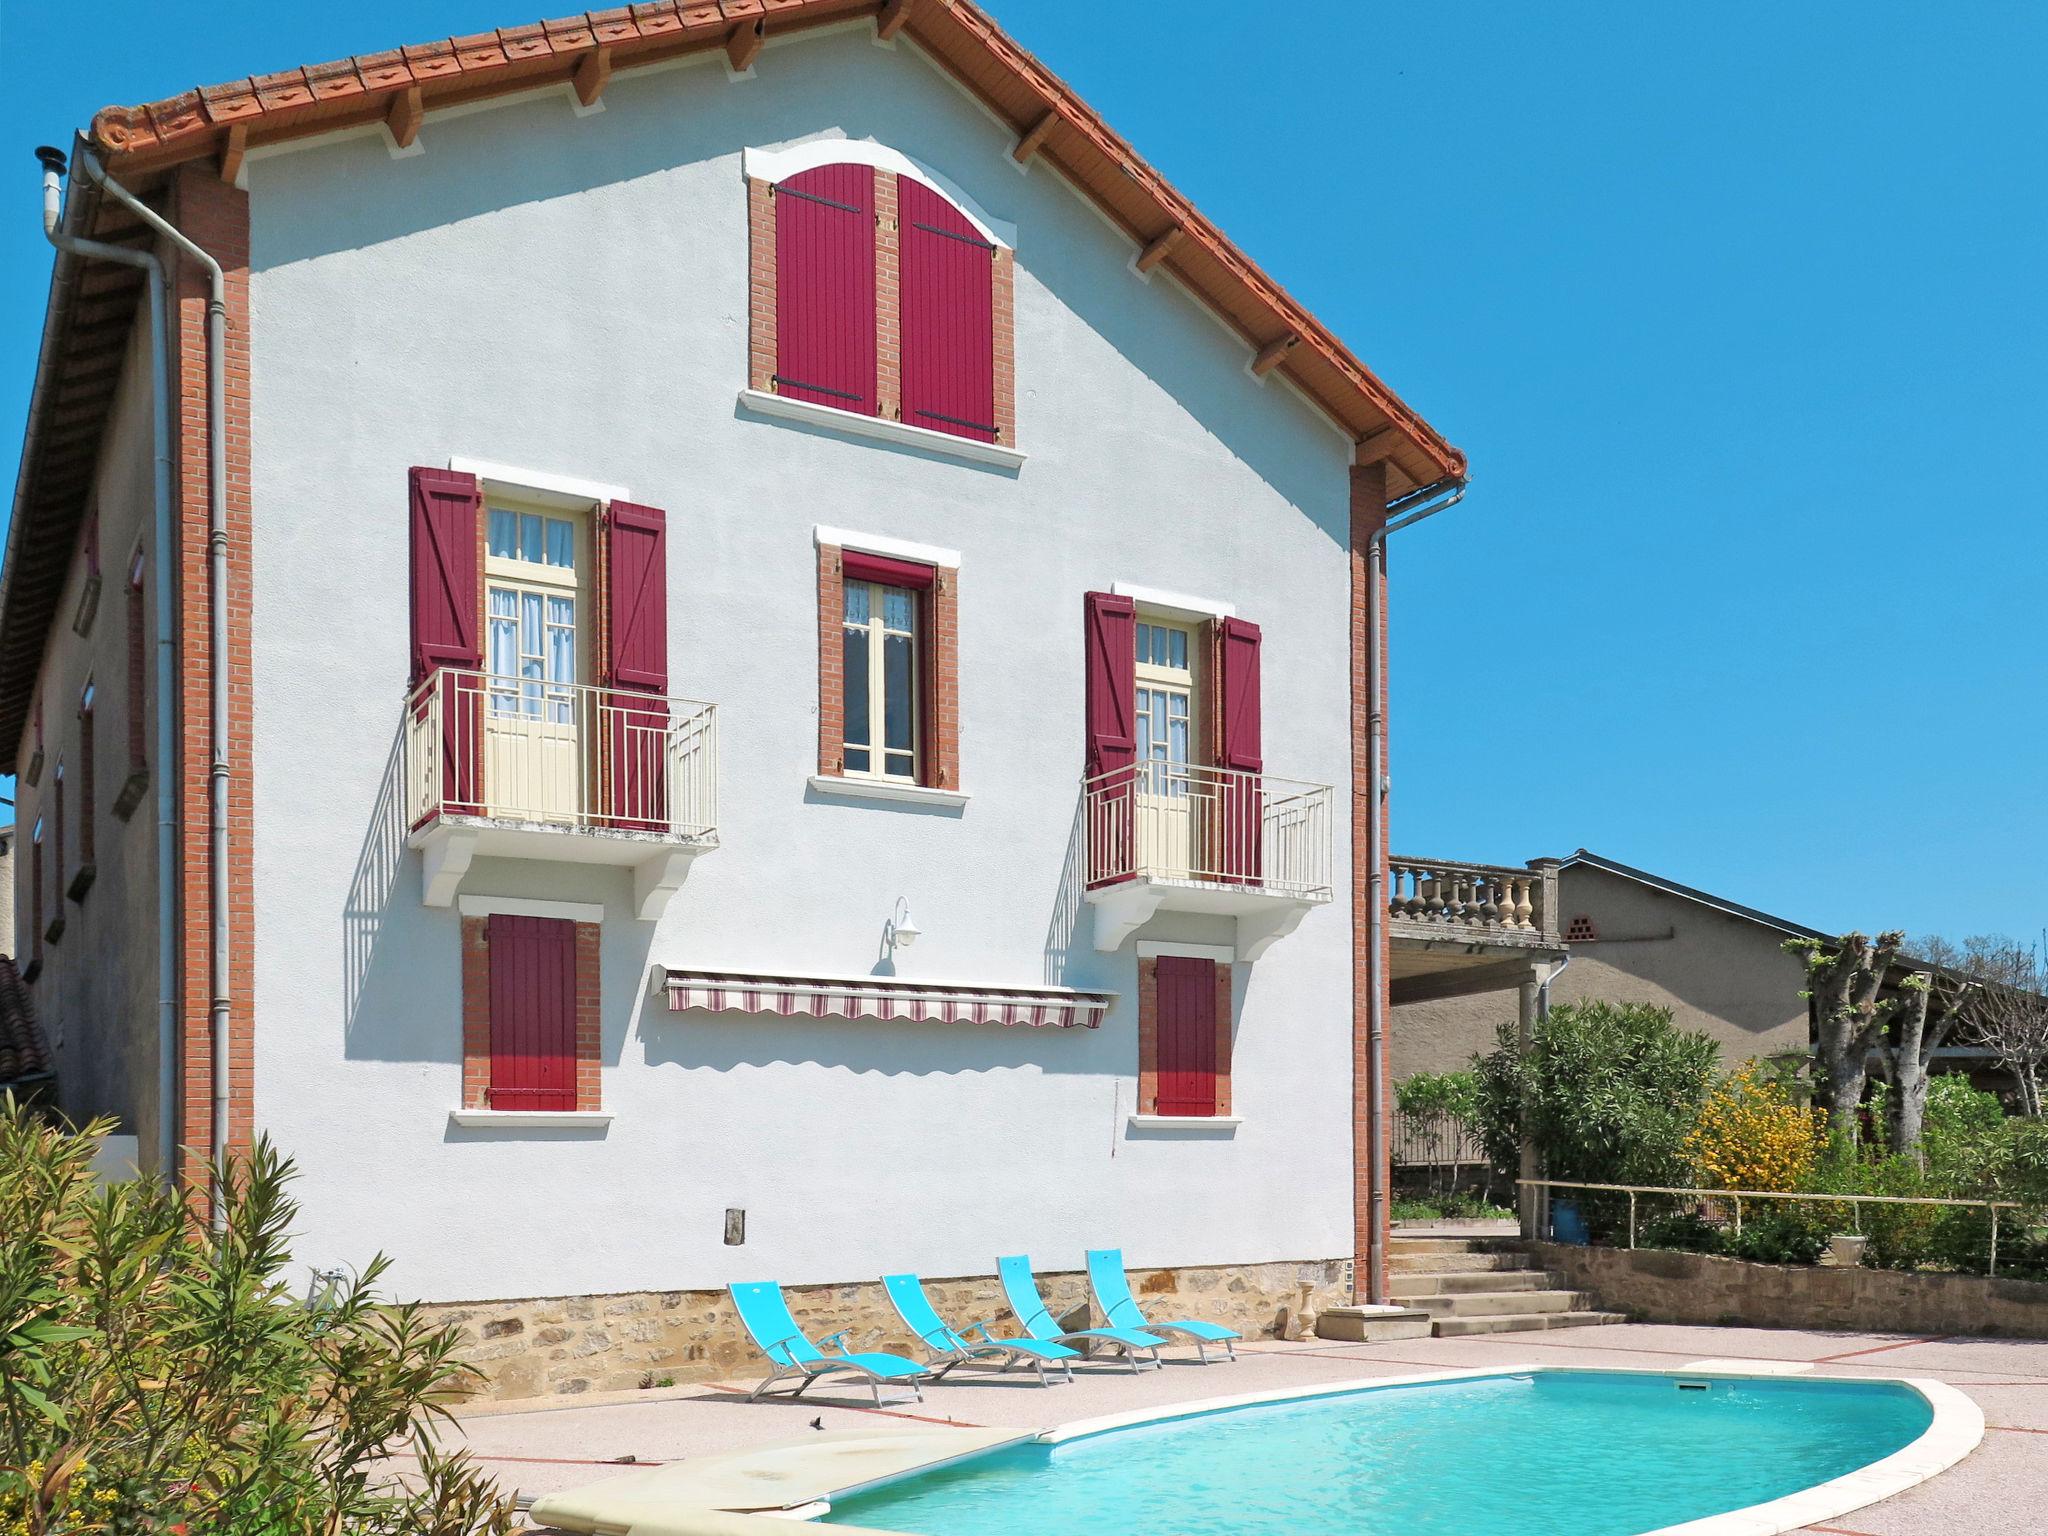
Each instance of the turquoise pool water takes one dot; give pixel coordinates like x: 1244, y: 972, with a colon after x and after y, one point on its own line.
x: 1556, y: 1453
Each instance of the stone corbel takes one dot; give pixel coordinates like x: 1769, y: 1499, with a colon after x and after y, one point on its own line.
x: 1121, y: 910
x: 444, y: 859
x: 1258, y: 931
x: 655, y: 880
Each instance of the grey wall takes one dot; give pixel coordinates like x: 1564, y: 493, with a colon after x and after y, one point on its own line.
x: 570, y: 295
x: 1719, y: 973
x: 96, y: 996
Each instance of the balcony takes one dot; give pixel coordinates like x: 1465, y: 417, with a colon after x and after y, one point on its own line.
x: 1464, y: 928
x: 1169, y: 837
x: 511, y: 768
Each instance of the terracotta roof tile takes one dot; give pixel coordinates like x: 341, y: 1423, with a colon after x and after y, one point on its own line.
x: 23, y: 1051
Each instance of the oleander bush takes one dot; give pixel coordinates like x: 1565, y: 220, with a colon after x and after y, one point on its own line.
x: 158, y: 1377
x: 1608, y: 1093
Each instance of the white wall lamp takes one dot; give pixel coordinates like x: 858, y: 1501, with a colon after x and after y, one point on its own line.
x: 901, y: 931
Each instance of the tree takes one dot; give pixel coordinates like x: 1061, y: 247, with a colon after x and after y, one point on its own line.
x: 1851, y: 1016
x: 159, y: 1377
x: 2007, y: 1012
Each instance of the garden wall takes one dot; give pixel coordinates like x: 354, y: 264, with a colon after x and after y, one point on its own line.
x: 569, y: 1345
x: 1661, y: 1286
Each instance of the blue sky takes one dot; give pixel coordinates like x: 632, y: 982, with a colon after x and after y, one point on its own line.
x: 1738, y: 311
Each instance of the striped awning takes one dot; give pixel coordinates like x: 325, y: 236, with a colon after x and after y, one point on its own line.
x: 821, y: 997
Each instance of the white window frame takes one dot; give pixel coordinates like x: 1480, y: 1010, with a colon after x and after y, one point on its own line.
x: 878, y: 633
x: 520, y: 575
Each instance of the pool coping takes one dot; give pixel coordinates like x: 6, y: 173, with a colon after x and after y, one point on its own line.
x: 1955, y: 1430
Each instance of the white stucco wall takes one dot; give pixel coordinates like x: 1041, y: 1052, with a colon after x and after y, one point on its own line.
x: 569, y: 294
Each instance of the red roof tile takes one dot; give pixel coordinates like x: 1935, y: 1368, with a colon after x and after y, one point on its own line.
x: 23, y: 1051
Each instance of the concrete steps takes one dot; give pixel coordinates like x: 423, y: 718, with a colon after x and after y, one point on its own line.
x: 1483, y: 1285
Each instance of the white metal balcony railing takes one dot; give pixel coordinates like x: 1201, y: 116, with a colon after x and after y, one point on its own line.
x: 1191, y: 825
x: 567, y: 754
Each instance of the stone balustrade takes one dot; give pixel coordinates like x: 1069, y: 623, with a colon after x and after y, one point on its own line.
x: 1437, y: 898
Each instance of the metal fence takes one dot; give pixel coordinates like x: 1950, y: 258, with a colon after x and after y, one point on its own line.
x: 1735, y: 1197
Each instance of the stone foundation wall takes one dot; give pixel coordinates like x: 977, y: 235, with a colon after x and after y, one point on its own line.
x: 1659, y: 1286
x: 564, y: 1345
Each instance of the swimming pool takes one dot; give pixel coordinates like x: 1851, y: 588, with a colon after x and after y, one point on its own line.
x: 1541, y: 1453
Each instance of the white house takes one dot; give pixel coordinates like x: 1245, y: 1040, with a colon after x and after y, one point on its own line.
x: 793, y: 634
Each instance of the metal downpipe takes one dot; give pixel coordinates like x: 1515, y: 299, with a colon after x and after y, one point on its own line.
x: 168, y: 1102
x: 217, y: 673
x: 1404, y: 513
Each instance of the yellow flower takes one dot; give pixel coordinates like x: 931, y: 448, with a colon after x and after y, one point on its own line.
x: 1750, y: 1135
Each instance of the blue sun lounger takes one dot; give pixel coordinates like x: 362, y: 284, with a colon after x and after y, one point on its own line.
x: 964, y: 1346
x: 1021, y: 1291
x: 766, y: 1317
x: 1113, y: 1294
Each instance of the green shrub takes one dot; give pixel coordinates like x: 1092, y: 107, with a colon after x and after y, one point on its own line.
x: 155, y: 1376
x: 1439, y: 1093
x: 1611, y: 1091
x: 1788, y: 1236
x: 1685, y: 1231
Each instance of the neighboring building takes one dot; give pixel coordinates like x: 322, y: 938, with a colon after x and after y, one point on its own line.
x: 1635, y: 937
x: 1015, y: 529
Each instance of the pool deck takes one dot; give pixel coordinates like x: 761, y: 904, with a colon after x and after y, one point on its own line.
x: 2000, y: 1490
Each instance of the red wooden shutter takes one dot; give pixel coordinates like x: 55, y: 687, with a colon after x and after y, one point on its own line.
x: 1110, y: 639
x: 947, y: 295
x: 1239, y: 746
x: 636, y: 584
x: 825, y: 287
x: 1186, y: 1002
x: 445, y: 628
x: 636, y: 664
x: 445, y: 632
x: 533, y: 1012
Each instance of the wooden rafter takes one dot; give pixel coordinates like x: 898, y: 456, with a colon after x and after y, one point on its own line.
x: 1160, y: 249
x: 1029, y: 144
x: 593, y: 73
x: 890, y: 18
x: 1375, y: 446
x: 404, y: 117
x: 1273, y: 353
x: 233, y: 152
x: 743, y: 45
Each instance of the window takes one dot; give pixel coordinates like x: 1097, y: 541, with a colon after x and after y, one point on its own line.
x: 82, y: 881
x: 531, y: 1024
x: 56, y: 928
x: 137, y: 779
x: 35, y: 900
x: 875, y: 295
x: 530, y: 567
x: 1184, y: 1014
x: 89, y: 592
x: 879, y: 667
x: 888, y: 692
x: 1165, y: 715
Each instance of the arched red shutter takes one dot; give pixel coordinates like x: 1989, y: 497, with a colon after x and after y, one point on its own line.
x: 1239, y: 746
x: 1110, y: 640
x: 445, y: 628
x: 947, y: 295
x: 825, y: 287
x: 636, y: 663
